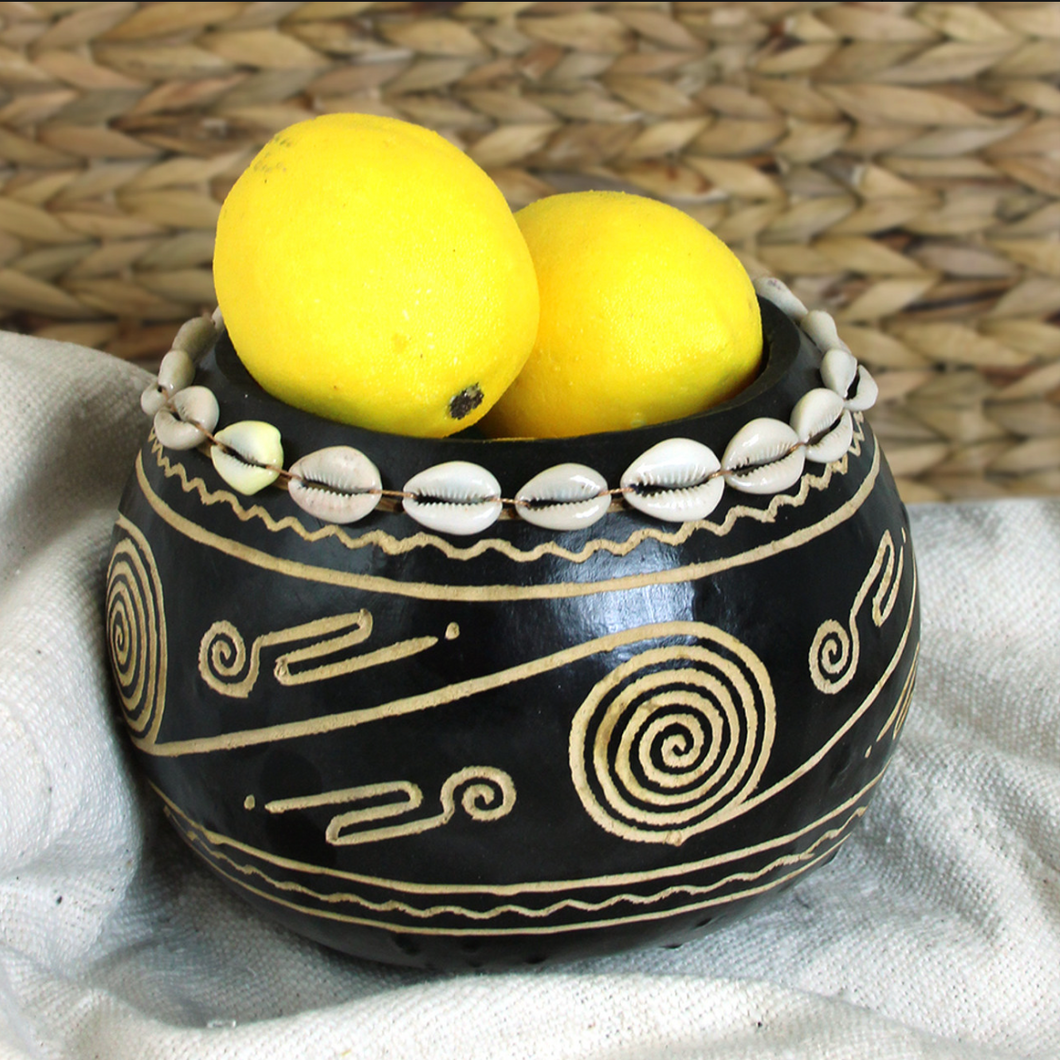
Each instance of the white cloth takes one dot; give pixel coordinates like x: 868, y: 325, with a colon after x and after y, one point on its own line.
x: 934, y: 933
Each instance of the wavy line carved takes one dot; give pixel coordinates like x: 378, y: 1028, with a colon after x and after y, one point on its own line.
x: 393, y: 546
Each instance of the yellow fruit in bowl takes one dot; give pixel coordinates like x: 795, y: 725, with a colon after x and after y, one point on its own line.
x: 646, y: 316
x: 369, y: 272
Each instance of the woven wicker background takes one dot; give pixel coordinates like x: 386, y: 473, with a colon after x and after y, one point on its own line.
x: 896, y: 163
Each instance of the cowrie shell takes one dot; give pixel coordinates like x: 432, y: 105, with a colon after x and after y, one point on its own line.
x: 838, y: 370
x: 254, y: 443
x: 195, y: 337
x: 678, y: 473
x: 564, y: 497
x: 338, y: 484
x: 176, y: 371
x: 152, y: 399
x: 823, y: 425
x: 778, y: 292
x: 196, y: 413
x: 454, y: 498
x: 763, y: 457
x: 820, y: 326
x: 864, y: 397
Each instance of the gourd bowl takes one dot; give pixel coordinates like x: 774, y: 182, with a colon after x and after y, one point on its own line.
x: 517, y: 743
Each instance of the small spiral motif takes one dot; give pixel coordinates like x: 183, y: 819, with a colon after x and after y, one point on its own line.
x: 833, y: 656
x: 136, y: 635
x: 223, y: 660
x: 835, y: 649
x: 671, y: 741
x: 489, y: 793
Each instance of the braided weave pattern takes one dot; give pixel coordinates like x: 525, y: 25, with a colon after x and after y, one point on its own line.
x: 895, y: 163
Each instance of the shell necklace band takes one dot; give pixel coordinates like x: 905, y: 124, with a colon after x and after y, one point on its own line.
x: 676, y: 480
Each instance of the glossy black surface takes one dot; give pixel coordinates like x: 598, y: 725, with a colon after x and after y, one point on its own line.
x: 521, y: 657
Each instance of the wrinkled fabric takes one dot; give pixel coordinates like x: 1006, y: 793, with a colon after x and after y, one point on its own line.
x: 934, y: 933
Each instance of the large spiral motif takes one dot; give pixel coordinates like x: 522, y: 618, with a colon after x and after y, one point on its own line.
x: 670, y: 742
x: 136, y: 635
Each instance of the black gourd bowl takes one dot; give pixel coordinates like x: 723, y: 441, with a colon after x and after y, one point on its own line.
x: 526, y: 745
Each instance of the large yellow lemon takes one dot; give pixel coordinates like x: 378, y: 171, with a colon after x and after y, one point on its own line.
x: 368, y: 271
x: 646, y: 316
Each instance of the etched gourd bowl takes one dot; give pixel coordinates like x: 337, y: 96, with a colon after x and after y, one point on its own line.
x: 459, y: 738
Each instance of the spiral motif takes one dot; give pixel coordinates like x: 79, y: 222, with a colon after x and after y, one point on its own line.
x: 487, y: 794
x: 834, y: 656
x: 136, y: 635
x: 224, y: 663
x: 835, y: 649
x: 670, y: 742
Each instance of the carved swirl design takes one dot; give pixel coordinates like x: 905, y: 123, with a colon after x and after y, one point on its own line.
x: 223, y: 660
x: 835, y: 649
x: 488, y: 794
x: 136, y: 634
x: 670, y: 742
x: 833, y: 655
x: 228, y: 667
x: 484, y: 793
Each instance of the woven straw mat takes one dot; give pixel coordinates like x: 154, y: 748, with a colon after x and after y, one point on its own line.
x: 895, y: 163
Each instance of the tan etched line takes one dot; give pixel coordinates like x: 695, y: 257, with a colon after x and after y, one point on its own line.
x: 629, y: 879
x: 398, y: 546
x: 590, y: 925
x: 155, y: 686
x: 393, y: 906
x: 832, y: 639
x: 489, y: 795
x: 223, y: 654
x: 889, y: 585
x: 847, y: 725
x: 413, y: 797
x: 498, y: 593
x: 902, y: 706
x: 426, y: 700
x: 464, y: 689
x: 631, y: 804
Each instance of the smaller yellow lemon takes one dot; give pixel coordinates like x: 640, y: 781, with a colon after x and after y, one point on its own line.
x: 368, y: 271
x: 646, y: 316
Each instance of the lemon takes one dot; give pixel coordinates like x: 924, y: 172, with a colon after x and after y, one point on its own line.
x: 369, y: 272
x: 646, y: 316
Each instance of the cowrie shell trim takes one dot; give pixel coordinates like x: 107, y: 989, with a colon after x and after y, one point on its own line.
x: 839, y: 369
x: 176, y: 371
x: 820, y: 326
x: 195, y: 336
x: 338, y: 484
x: 763, y: 457
x: 683, y: 480
x: 564, y: 497
x: 454, y: 498
x: 463, y: 498
x: 253, y: 444
x: 152, y: 399
x: 866, y: 393
x: 823, y: 425
x: 193, y: 416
